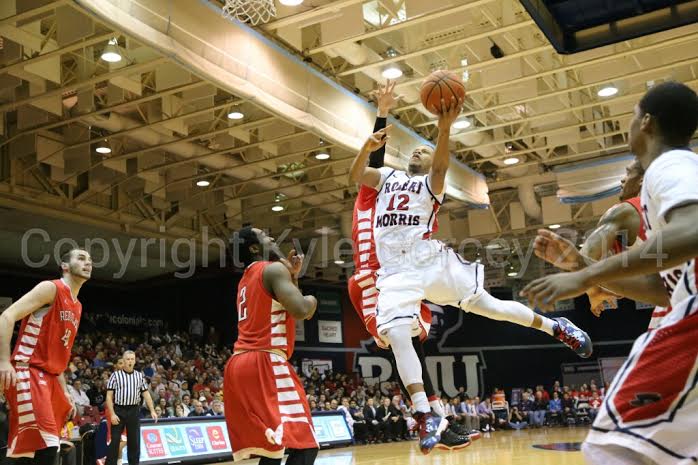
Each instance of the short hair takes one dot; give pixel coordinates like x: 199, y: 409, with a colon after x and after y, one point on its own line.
x: 245, y: 238
x: 674, y: 107
x: 129, y: 352
x: 67, y: 255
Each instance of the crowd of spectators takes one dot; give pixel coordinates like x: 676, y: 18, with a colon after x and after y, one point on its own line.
x: 185, y: 371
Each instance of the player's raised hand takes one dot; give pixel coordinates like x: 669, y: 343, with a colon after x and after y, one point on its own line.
x: 378, y: 139
x: 294, y: 263
x: 544, y: 292
x: 8, y: 377
x: 385, y: 98
x: 449, y: 112
x: 557, y: 250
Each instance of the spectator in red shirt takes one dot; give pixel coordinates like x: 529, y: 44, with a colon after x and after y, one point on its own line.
x: 595, y: 405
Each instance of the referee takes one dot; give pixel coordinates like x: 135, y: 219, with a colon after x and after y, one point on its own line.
x: 126, y: 390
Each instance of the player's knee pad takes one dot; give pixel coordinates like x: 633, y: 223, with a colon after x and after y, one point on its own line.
x: 406, y: 359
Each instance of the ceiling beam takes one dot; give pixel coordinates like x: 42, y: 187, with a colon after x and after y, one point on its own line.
x: 130, y: 69
x: 437, y: 47
x: 401, y: 25
x: 11, y: 20
x: 692, y: 37
x: 316, y: 12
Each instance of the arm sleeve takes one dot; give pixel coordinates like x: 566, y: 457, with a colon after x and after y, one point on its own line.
x: 673, y: 182
x: 144, y: 386
x: 377, y: 159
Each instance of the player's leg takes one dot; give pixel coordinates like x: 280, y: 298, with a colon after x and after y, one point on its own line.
x: 509, y: 310
x: 268, y: 461
x: 461, y: 283
x: 410, y: 370
x: 302, y: 456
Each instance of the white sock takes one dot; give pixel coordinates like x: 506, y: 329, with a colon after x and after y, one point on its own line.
x: 437, y: 407
x: 509, y: 310
x: 420, y: 401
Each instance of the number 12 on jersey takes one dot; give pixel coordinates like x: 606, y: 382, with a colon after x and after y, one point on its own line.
x: 404, y: 199
x: 242, y: 306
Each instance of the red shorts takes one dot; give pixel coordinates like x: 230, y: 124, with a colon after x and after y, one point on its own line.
x: 364, y: 297
x: 38, y: 410
x: 266, y: 409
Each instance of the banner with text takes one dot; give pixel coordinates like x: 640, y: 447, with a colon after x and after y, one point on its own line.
x: 330, y: 331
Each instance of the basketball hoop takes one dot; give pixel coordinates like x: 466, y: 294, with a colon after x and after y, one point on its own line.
x: 250, y: 11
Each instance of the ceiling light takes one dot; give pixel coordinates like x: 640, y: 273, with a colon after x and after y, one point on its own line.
x: 203, y: 183
x: 462, y: 124
x: 339, y: 262
x: 291, y: 2
x: 111, y: 53
x: 103, y: 147
x: 554, y: 226
x: 235, y: 115
x: 512, y: 274
x: 608, y: 91
x: 511, y: 161
x: 277, y: 208
x: 322, y: 155
x: 392, y: 72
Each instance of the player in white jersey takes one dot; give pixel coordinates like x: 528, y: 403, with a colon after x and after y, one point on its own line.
x: 414, y: 268
x: 650, y: 413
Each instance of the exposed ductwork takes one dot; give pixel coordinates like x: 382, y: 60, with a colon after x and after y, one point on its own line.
x: 529, y: 202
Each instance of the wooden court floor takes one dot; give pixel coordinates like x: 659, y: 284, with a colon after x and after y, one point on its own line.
x: 499, y: 448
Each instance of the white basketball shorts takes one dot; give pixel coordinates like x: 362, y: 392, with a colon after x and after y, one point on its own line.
x: 447, y: 279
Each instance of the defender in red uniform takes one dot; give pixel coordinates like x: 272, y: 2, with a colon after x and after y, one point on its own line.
x: 32, y: 377
x: 266, y: 408
x: 622, y: 226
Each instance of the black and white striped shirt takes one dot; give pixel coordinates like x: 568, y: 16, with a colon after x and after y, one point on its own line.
x: 127, y: 387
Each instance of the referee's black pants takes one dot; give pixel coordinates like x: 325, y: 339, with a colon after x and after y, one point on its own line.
x: 129, y: 419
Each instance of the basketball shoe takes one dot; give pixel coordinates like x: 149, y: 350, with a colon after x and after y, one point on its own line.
x: 452, y: 441
x: 430, y: 429
x: 573, y: 337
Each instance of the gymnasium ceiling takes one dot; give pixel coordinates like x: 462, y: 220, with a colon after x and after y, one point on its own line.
x: 168, y: 128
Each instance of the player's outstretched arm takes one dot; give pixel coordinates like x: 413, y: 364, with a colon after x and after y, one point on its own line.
x: 620, y: 220
x: 562, y: 253
x: 676, y: 244
x: 386, y: 100
x: 278, y: 279
x: 442, y: 156
x: 42, y: 295
x: 360, y: 173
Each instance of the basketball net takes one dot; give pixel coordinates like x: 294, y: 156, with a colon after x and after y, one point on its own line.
x: 250, y: 11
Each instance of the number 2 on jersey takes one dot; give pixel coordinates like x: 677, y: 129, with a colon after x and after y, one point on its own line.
x: 66, y: 337
x: 402, y: 206
x: 242, y: 307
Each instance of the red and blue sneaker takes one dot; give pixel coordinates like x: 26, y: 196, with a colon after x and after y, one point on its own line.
x: 430, y: 429
x: 573, y: 337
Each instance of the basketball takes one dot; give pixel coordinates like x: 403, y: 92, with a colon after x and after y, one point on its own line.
x: 442, y: 84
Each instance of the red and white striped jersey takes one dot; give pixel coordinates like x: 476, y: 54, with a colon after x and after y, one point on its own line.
x: 46, y: 336
x: 405, y: 213
x: 263, y: 324
x: 362, y: 230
